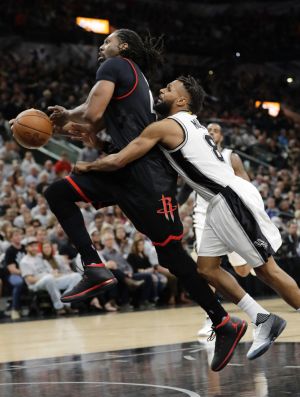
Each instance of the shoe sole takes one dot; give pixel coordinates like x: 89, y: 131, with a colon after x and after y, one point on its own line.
x: 90, y: 292
x: 230, y: 354
x: 274, y: 336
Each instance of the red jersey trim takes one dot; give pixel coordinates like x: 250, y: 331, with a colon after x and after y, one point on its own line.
x: 167, y: 240
x: 135, y: 84
x: 77, y: 188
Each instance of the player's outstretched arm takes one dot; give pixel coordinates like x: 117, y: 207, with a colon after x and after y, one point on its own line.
x: 153, y: 134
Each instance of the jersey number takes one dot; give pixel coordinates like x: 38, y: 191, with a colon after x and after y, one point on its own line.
x: 214, y: 147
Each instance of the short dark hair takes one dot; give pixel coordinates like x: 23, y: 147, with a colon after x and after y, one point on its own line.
x: 197, y: 93
x: 147, y: 53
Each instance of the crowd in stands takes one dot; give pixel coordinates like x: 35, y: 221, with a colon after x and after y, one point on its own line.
x: 190, y: 29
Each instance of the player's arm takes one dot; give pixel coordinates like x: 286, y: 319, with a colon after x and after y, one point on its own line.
x: 238, y: 166
x: 152, y: 135
x: 90, y: 112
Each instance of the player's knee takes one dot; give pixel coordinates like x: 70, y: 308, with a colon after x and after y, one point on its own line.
x: 51, y: 193
x: 176, y: 259
x: 268, y: 270
x: 204, y: 269
x: 59, y: 189
x: 242, y: 271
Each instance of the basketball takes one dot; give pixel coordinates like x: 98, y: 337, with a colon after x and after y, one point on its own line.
x: 32, y: 129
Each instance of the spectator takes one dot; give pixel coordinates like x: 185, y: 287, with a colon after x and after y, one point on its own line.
x: 109, y: 253
x: 39, y: 275
x: 271, y: 208
x: 27, y: 162
x: 290, y: 241
x: 123, y: 242
x: 88, y: 153
x: 141, y: 264
x: 12, y: 259
x: 49, y: 168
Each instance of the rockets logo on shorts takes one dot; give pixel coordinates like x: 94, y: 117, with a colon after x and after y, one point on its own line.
x: 168, y: 208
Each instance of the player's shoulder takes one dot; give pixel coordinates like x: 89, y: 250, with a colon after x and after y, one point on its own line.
x: 115, y: 62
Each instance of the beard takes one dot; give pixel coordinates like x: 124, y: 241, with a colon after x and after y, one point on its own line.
x: 163, y: 108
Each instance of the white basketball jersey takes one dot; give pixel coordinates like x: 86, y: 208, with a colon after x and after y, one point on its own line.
x: 201, y: 204
x: 198, y: 160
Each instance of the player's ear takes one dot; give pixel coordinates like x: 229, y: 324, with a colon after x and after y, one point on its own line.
x: 123, y: 46
x: 182, y: 101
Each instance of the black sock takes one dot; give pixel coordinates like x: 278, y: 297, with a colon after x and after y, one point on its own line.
x: 176, y: 259
x: 61, y: 199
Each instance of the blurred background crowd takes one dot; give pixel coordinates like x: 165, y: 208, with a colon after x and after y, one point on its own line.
x: 241, y: 54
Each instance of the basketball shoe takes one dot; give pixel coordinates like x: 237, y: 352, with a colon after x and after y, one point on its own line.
x: 96, y: 278
x: 228, y: 333
x: 266, y: 331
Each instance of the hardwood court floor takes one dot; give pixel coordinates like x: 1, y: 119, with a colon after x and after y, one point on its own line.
x: 101, y: 333
x: 101, y: 356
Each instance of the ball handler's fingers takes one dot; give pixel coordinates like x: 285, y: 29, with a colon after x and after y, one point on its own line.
x: 11, y: 123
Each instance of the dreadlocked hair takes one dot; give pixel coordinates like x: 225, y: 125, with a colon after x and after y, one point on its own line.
x: 197, y: 93
x: 146, y: 53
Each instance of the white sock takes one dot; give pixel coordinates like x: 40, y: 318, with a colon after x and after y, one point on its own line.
x: 251, y: 307
x: 298, y: 310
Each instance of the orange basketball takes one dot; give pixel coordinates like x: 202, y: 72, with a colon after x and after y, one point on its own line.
x: 32, y: 129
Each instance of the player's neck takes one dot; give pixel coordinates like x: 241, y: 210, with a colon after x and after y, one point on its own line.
x: 172, y: 112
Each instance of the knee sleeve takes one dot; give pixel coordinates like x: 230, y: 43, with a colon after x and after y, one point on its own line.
x: 60, y: 195
x: 176, y: 259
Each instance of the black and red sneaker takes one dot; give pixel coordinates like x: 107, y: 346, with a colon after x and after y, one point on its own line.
x: 96, y: 278
x: 228, y: 333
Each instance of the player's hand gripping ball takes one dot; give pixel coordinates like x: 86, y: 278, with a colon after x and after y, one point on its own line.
x: 32, y: 128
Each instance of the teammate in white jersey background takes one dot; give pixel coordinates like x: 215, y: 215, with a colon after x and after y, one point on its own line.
x: 235, y: 221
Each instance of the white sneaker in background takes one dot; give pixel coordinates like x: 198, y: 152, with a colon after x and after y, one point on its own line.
x: 205, y: 331
x: 15, y: 315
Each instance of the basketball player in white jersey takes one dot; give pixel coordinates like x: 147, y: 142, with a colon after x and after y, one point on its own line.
x: 237, y: 262
x: 236, y: 219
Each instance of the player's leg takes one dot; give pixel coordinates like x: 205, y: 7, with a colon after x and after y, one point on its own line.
x: 199, y: 216
x: 62, y: 197
x: 239, y: 264
x: 224, y: 232
x: 276, y: 278
x: 228, y: 330
x: 158, y: 218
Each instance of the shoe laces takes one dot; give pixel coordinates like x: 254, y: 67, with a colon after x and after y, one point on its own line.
x: 212, y: 335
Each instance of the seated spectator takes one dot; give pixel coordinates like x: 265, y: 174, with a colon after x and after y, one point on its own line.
x: 109, y: 253
x: 27, y: 162
x: 49, y: 168
x: 286, y: 213
x: 42, y: 213
x: 271, y: 208
x: 58, y: 236
x: 33, y: 175
x: 141, y: 264
x: 12, y: 259
x: 88, y: 153
x: 290, y: 241
x: 43, y: 182
x: 123, y: 242
x: 39, y: 275
x: 97, y: 222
